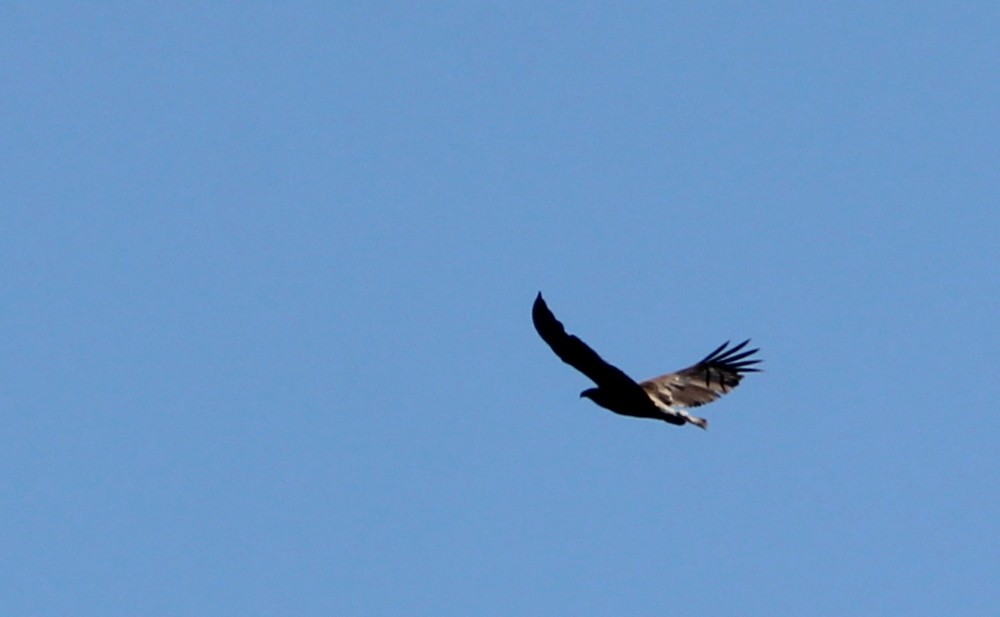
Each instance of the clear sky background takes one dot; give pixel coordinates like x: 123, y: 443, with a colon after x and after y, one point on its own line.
x: 266, y: 288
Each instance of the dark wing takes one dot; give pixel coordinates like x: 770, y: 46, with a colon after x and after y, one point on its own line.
x: 575, y: 352
x: 716, y: 374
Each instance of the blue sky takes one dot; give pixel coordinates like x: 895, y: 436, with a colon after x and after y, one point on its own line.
x: 268, y: 276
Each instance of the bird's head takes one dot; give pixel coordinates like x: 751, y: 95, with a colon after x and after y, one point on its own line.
x: 600, y: 397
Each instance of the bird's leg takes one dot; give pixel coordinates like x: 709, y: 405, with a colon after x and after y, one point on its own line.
x: 701, y: 423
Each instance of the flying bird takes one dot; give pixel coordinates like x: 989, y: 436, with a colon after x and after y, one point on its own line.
x: 667, y: 397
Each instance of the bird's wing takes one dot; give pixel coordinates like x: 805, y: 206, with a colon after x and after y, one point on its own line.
x: 716, y: 374
x: 575, y: 352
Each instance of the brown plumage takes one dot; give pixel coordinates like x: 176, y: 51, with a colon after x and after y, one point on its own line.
x: 663, y: 398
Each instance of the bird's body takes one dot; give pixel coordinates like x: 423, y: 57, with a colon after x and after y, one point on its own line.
x: 666, y: 397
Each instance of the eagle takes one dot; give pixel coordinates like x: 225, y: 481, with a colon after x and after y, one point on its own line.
x: 667, y: 397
